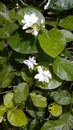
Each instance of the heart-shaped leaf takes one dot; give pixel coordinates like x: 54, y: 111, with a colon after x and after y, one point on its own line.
x: 52, y: 42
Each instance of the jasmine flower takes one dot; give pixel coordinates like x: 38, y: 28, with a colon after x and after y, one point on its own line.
x: 43, y: 75
x: 29, y: 20
x: 30, y: 62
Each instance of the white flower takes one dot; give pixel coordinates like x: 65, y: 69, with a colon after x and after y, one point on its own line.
x: 30, y: 62
x: 29, y: 20
x: 47, y: 4
x: 43, y: 75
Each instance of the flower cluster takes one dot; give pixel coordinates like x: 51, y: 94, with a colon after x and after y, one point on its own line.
x: 30, y: 22
x: 43, y: 75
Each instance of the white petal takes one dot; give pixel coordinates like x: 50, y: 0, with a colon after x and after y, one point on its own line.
x: 47, y: 4
x: 39, y: 77
x: 40, y: 70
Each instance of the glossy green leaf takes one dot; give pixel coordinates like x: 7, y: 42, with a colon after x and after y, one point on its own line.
x: 2, y: 110
x: 38, y: 100
x: 38, y: 114
x: 5, y: 76
x: 68, y: 35
x: 67, y: 22
x: 68, y: 118
x: 55, y: 109
x: 62, y: 97
x: 52, y: 42
x: 65, y: 122
x: 53, y: 125
x: 61, y: 4
x: 63, y: 69
x: 21, y: 92
x: 17, y: 117
x: 8, y: 100
x: 23, y: 44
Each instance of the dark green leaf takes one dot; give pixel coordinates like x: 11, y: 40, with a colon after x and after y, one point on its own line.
x: 5, y: 75
x: 8, y: 29
x: 21, y: 93
x: 64, y: 123
x: 61, y: 5
x: 62, y: 97
x: 23, y: 45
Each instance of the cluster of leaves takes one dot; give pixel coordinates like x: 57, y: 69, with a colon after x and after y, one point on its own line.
x: 24, y: 103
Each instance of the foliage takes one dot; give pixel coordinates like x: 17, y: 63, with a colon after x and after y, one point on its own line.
x: 36, y: 65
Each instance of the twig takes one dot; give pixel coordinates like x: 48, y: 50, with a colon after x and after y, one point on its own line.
x: 23, y: 2
x: 42, y: 3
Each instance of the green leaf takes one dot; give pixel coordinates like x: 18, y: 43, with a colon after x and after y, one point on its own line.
x: 65, y: 122
x: 21, y: 93
x: 63, y: 69
x: 17, y: 117
x: 68, y: 35
x: 67, y: 22
x: 23, y: 44
x: 62, y: 97
x: 8, y: 100
x: 55, y: 109
x: 53, y: 83
x: 53, y: 125
x: 8, y: 29
x: 61, y: 4
x: 2, y: 110
x: 4, y: 11
x: 26, y: 76
x: 38, y: 100
x: 68, y: 118
x: 52, y: 42
x: 5, y: 76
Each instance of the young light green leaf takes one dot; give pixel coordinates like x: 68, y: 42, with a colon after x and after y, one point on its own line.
x: 2, y: 110
x: 67, y: 22
x: 8, y: 100
x: 55, y: 109
x: 17, y: 117
x: 38, y: 100
x: 52, y: 42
